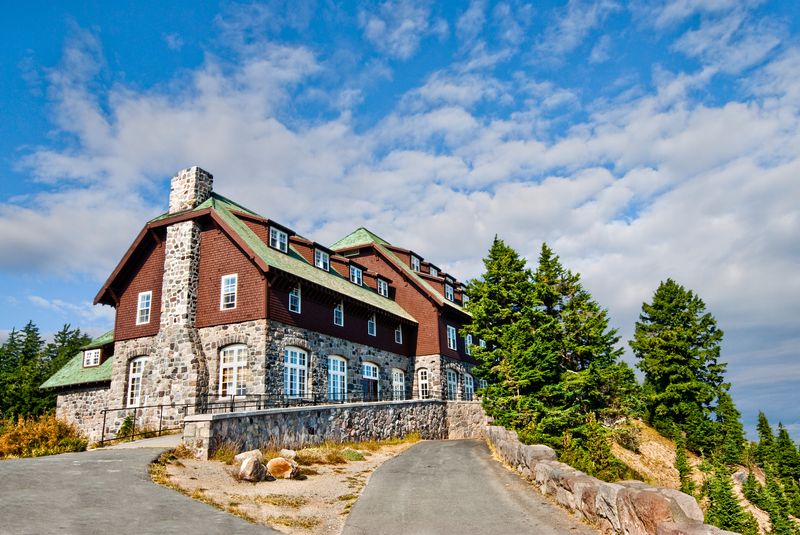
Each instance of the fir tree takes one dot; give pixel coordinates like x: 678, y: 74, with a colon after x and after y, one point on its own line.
x: 766, y: 441
x: 724, y: 510
x: 731, y: 440
x: 683, y: 467
x: 786, y: 457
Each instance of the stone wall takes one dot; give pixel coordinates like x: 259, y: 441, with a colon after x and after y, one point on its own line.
x: 301, y: 426
x: 84, y: 409
x: 629, y: 507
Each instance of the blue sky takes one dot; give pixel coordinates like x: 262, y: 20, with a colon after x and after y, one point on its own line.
x: 641, y: 140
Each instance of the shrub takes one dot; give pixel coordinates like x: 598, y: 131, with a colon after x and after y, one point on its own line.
x: 225, y: 452
x: 35, y: 437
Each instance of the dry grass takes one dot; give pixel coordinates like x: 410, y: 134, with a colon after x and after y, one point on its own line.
x: 34, y: 437
x: 304, y: 522
x: 225, y: 452
x: 277, y: 500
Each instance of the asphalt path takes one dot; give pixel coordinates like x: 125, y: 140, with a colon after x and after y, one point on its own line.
x: 103, y: 492
x: 454, y: 487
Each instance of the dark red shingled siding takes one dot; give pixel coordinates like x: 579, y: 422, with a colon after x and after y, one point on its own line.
x: 147, y: 267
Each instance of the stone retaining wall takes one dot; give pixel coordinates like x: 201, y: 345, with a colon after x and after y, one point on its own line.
x: 629, y: 507
x: 301, y: 426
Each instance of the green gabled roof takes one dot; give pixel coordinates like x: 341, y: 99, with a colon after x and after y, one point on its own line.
x: 360, y: 236
x: 295, y: 264
x: 73, y: 373
x: 215, y: 200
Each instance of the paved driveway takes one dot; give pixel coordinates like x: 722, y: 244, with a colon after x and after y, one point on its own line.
x: 454, y: 487
x: 102, y: 492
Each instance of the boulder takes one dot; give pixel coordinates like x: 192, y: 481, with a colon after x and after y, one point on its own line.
x: 288, y: 454
x: 642, y: 510
x: 537, y: 452
x: 256, y: 454
x: 252, y: 470
x: 282, y: 468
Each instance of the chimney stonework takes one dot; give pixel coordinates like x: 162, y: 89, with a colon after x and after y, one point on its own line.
x: 189, y: 187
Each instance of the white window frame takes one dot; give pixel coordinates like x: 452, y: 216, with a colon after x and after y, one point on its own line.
x: 383, y: 287
x: 482, y: 343
x: 135, y: 374
x: 448, y: 292
x: 91, y: 358
x: 434, y: 272
x: 468, y: 344
x: 337, y: 378
x: 415, y: 263
x: 372, y: 326
x: 225, y: 290
x: 338, y: 315
x: 144, y: 310
x: 482, y: 383
x: 295, y: 300
x: 398, y: 334
x: 469, y: 387
x: 452, y: 384
x: 322, y: 259
x: 295, y: 372
x: 237, y: 366
x: 278, y: 239
x: 464, y: 298
x: 398, y: 384
x: 452, y: 340
x: 356, y: 275
x: 423, y: 384
x: 367, y: 369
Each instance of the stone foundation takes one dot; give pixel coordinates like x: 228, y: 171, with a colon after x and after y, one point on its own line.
x: 84, y: 409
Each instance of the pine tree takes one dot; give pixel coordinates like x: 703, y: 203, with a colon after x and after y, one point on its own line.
x: 683, y: 467
x: 731, y: 440
x: 724, y: 510
x: 678, y: 344
x: 786, y: 457
x: 766, y: 441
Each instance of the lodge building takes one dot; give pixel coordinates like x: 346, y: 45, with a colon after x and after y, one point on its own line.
x: 215, y: 302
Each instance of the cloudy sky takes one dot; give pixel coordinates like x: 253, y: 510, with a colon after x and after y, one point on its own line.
x: 641, y: 140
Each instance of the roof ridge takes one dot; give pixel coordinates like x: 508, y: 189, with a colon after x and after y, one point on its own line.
x: 360, y: 236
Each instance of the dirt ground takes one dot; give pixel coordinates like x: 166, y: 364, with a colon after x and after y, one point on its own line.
x: 316, y: 505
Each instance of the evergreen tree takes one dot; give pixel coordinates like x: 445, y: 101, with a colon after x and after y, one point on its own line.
x: 786, y: 457
x: 732, y: 441
x: 723, y: 509
x: 678, y: 344
x: 682, y: 466
x: 766, y: 441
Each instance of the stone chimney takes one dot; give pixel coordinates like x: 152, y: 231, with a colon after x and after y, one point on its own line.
x: 189, y: 188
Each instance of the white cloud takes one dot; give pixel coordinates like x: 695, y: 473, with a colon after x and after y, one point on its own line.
x: 572, y: 26
x: 174, y: 41
x: 601, y: 51
x: 398, y: 27
x: 88, y: 313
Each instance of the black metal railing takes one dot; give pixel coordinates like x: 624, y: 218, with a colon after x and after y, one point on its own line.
x: 245, y: 402
x: 144, y: 421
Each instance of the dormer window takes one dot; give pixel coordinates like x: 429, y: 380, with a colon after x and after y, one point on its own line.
x: 371, y: 326
x: 294, y: 300
x: 227, y: 298
x: 434, y: 272
x: 143, y: 305
x: 91, y: 357
x: 383, y: 287
x: 414, y: 263
x: 448, y: 292
x: 278, y: 239
x: 322, y: 259
x: 356, y: 275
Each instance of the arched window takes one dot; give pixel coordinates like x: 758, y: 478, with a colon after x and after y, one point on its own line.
x: 422, y: 381
x: 295, y: 372
x: 452, y: 385
x: 135, y: 372
x: 337, y: 378
x: 369, y: 383
x: 398, y: 384
x: 232, y: 370
x: 469, y: 387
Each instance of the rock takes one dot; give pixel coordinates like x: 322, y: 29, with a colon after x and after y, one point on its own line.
x: 641, y: 510
x: 535, y: 453
x: 282, y: 468
x: 256, y: 454
x: 288, y: 454
x: 252, y: 470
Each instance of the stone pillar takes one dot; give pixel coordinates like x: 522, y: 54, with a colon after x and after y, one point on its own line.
x: 189, y: 188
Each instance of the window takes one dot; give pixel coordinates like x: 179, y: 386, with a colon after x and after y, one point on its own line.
x: 383, y: 287
x: 295, y: 372
x: 482, y: 343
x: 227, y: 298
x: 278, y: 239
x: 338, y: 315
x: 434, y: 272
x: 398, y: 384
x: 452, y: 385
x: 91, y: 357
x: 398, y: 334
x: 337, y: 378
x: 464, y: 297
x: 232, y: 365
x: 468, y: 344
x: 448, y: 292
x: 356, y: 275
x: 482, y: 383
x: 143, y: 308
x: 451, y: 338
x: 469, y: 387
x: 135, y: 371
x: 371, y: 325
x: 294, y: 300
x: 422, y: 382
x: 322, y: 259
x: 414, y: 263
x: 369, y: 383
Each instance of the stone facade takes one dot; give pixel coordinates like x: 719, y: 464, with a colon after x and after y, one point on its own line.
x: 189, y: 188
x: 84, y: 409
x: 629, y: 507
x: 302, y: 426
x: 437, y: 366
